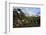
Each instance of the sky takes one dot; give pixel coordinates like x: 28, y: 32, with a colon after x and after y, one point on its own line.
x: 30, y: 10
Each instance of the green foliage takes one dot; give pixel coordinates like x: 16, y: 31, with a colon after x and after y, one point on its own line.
x: 20, y: 20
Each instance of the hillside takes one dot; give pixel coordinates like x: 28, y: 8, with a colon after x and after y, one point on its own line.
x: 20, y: 20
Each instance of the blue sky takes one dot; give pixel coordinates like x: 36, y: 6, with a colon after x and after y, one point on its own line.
x: 30, y: 10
